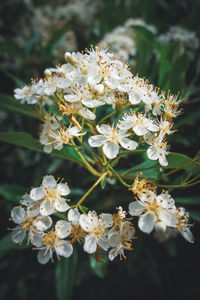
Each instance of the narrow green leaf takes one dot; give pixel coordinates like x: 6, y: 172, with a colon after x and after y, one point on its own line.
x: 7, y: 244
x: 26, y: 140
x: 12, y: 192
x: 65, y: 274
x: 98, y: 268
x: 9, y: 103
x: 188, y: 200
x: 177, y: 160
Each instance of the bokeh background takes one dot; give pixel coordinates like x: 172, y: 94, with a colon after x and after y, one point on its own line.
x: 34, y: 35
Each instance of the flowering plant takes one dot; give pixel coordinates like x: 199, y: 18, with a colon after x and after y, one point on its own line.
x: 95, y: 112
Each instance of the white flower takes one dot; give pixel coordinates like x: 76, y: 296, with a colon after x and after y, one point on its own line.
x: 53, y: 241
x: 138, y: 123
x: 25, y: 95
x: 153, y: 211
x: 95, y: 228
x: 50, y: 194
x: 77, y: 232
x: 120, y: 240
x: 110, y: 138
x: 27, y: 223
x: 158, y: 150
x: 56, y: 139
x: 76, y: 108
x: 183, y: 227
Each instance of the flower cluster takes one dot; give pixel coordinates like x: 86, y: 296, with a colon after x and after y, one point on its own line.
x: 122, y: 40
x: 68, y: 100
x: 158, y: 212
x: 105, y: 232
x: 188, y: 38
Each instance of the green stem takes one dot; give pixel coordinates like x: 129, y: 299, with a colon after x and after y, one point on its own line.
x: 89, y: 167
x: 106, y: 117
x: 91, y: 189
x: 119, y: 177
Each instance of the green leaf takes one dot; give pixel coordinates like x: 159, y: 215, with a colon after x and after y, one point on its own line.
x: 12, y: 192
x: 26, y: 140
x: 98, y: 268
x: 177, y: 160
x: 7, y: 244
x: 188, y: 200
x: 65, y: 274
x: 9, y: 103
x: 195, y: 215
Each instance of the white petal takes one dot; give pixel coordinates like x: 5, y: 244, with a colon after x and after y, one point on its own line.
x: 85, y: 222
x: 91, y: 103
x: 18, y: 235
x: 160, y: 226
x: 135, y: 208
x: 104, y: 129
x: 44, y: 256
x: 146, y: 222
x: 71, y: 98
x: 86, y: 113
x: 37, y: 194
x: 64, y: 248
x: 167, y: 217
x: 63, y: 189
x: 106, y: 220
x: 104, y: 243
x: 96, y: 140
x: 115, y: 239
x: 42, y: 222
x: 46, y: 208
x: 34, y: 209
x: 73, y: 216
x: 163, y: 161
x: 140, y: 130
x: 134, y: 97
x: 90, y: 245
x: 113, y: 253
x: 37, y: 239
x: 128, y: 144
x: 111, y: 150
x: 61, y: 205
x: 48, y: 148
x: 152, y: 153
x: 18, y: 215
x: 49, y: 182
x: 187, y: 234
x: 63, y: 229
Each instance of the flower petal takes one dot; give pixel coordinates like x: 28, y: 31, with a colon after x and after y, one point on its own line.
x: 44, y: 256
x: 18, y: 235
x: 85, y: 222
x: 63, y: 189
x: 128, y: 144
x: 63, y: 229
x: 61, y: 205
x: 90, y: 245
x: 64, y: 248
x: 111, y: 150
x: 49, y: 182
x: 73, y: 216
x: 42, y: 222
x: 96, y: 140
x: 37, y: 193
x: 146, y: 222
x: 135, y: 208
x: 46, y: 208
x: 187, y: 234
x: 18, y: 215
x: 167, y: 217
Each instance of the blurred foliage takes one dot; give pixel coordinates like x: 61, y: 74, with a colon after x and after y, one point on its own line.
x: 154, y: 270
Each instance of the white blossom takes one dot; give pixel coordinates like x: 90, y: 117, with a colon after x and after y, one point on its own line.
x: 110, y: 138
x: 50, y: 195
